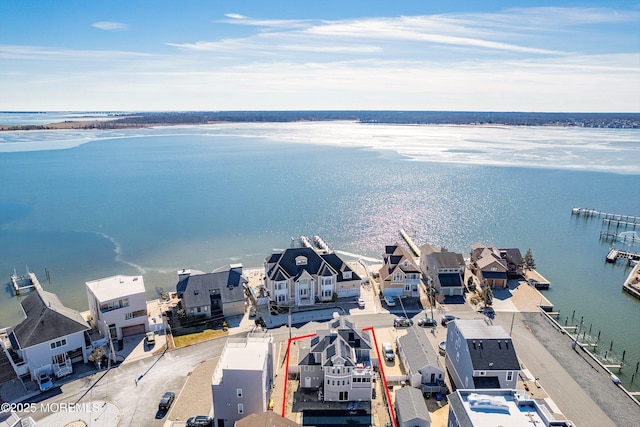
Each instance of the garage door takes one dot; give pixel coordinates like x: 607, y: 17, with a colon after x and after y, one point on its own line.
x: 133, y: 330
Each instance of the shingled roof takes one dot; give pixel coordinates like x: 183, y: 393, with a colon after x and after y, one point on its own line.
x: 47, y: 320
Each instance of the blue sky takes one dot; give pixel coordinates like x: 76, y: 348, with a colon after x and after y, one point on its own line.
x: 335, y: 55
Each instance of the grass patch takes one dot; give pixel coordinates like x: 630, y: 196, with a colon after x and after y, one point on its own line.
x: 207, y: 334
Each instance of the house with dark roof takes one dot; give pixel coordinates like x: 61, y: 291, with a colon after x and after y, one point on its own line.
x: 421, y: 363
x: 399, y: 274
x: 494, y: 267
x: 444, y: 270
x: 337, y: 363
x: 480, y: 356
x: 50, y: 338
x: 212, y: 295
x: 303, y: 276
x: 411, y: 409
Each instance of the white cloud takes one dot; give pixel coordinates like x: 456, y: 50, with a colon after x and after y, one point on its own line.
x: 234, y: 16
x: 110, y: 26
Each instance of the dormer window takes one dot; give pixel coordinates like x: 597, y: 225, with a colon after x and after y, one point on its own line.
x: 301, y: 260
x: 346, y: 274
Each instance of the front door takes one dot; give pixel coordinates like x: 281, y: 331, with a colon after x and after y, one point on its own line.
x: 307, y: 382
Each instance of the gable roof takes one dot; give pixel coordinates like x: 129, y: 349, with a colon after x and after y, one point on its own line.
x: 285, y: 265
x: 410, y: 405
x: 336, y: 342
x: 47, y: 320
x: 394, y: 258
x: 417, y: 350
x: 490, y: 347
x: 196, y: 286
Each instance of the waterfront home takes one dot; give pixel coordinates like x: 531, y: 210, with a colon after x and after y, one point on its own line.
x: 411, y: 409
x: 303, y: 276
x: 338, y: 363
x: 480, y: 356
x: 420, y: 361
x: 118, y: 306
x: 242, y: 381
x: 493, y: 267
x: 513, y: 408
x: 212, y: 295
x: 49, y: 339
x: 444, y: 270
x: 399, y: 274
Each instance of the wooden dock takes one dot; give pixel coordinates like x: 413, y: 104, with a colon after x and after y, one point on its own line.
x: 25, y: 283
x: 588, y: 213
x: 632, y: 283
x: 616, y: 254
x: 413, y: 246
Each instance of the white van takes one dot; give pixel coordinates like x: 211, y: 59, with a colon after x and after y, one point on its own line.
x: 387, y: 349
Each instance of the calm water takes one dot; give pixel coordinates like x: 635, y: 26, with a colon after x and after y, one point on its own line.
x: 155, y: 200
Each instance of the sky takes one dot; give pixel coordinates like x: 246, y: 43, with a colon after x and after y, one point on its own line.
x: 160, y: 55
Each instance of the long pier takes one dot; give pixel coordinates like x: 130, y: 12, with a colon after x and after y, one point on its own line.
x: 616, y: 254
x: 413, y: 246
x: 587, y: 213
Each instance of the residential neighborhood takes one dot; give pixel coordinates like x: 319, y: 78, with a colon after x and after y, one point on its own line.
x: 304, y: 339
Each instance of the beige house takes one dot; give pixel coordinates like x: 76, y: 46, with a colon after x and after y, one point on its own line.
x: 444, y: 270
x: 399, y: 274
x: 489, y: 266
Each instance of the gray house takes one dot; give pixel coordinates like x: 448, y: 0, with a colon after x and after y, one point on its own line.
x: 215, y: 294
x: 420, y: 361
x: 411, y: 410
x: 480, y: 356
x: 444, y: 270
x: 242, y: 381
x: 338, y: 363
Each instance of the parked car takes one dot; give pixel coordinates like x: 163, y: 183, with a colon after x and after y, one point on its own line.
x: 442, y: 346
x: 44, y: 381
x: 402, y: 322
x: 199, y: 421
x: 489, y: 311
x: 252, y: 311
x: 166, y: 401
x: 361, y: 302
x: 390, y: 301
x: 150, y: 338
x: 447, y: 318
x: 425, y: 321
x: 387, y: 349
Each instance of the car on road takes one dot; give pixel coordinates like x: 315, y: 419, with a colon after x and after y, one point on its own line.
x: 425, y: 321
x: 361, y: 302
x: 402, y: 322
x: 447, y: 318
x: 390, y: 301
x: 150, y: 338
x: 166, y: 401
x: 199, y: 421
x: 387, y: 349
x: 442, y: 346
x: 44, y: 381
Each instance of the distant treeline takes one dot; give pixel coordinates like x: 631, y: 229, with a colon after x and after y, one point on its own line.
x: 133, y: 120
x: 599, y: 120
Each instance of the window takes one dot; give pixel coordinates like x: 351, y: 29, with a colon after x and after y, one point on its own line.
x: 407, y: 287
x: 239, y: 392
x: 59, y: 343
x: 240, y: 408
x: 327, y: 281
x: 128, y: 316
x: 509, y: 375
x: 397, y: 277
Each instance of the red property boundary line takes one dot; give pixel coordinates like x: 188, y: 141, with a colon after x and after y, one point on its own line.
x: 384, y: 378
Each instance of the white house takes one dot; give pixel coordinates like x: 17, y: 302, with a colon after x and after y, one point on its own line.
x: 399, y: 274
x: 50, y: 338
x: 421, y: 363
x: 118, y: 306
x: 302, y: 276
x: 242, y: 381
x: 338, y: 362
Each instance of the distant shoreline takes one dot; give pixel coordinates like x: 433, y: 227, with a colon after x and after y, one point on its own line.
x: 145, y: 120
